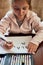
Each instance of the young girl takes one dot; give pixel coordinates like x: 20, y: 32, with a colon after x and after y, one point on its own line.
x: 22, y: 20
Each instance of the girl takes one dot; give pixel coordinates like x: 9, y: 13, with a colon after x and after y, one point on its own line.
x: 22, y: 20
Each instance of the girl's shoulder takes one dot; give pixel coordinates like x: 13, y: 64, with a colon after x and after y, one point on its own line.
x: 9, y: 14
x: 31, y: 13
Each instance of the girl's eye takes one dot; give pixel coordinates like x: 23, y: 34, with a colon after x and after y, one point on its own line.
x: 16, y: 8
x: 24, y: 8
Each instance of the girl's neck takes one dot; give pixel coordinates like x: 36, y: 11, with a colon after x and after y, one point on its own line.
x: 19, y: 19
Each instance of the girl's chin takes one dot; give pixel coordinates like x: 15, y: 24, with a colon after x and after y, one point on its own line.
x: 21, y: 18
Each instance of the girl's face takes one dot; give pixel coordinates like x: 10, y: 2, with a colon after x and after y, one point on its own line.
x: 20, y: 9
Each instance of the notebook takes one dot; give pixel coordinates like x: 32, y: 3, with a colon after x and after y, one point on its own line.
x: 19, y: 44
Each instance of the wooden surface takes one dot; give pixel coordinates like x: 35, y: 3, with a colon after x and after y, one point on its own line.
x: 38, y: 57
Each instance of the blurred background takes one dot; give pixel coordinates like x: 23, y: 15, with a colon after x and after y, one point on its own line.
x: 37, y: 6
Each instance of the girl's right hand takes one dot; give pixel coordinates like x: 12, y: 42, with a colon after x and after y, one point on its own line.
x: 8, y: 45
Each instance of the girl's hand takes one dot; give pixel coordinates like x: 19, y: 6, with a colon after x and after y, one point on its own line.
x: 8, y: 45
x: 32, y: 48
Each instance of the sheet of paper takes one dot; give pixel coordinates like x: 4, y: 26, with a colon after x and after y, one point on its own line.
x: 19, y: 43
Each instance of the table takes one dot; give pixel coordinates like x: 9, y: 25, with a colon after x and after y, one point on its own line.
x: 38, y: 57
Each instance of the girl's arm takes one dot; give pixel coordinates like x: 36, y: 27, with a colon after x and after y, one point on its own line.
x: 4, y: 25
x: 37, y: 25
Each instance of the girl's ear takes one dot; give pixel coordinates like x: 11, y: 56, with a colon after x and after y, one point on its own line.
x: 12, y: 1
x: 12, y: 5
x: 29, y: 3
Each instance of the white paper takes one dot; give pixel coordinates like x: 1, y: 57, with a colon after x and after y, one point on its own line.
x: 19, y: 42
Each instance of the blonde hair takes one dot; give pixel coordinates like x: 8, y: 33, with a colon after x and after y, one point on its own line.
x: 28, y: 1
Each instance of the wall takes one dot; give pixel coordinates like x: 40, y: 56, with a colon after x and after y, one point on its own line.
x: 37, y: 6
x: 4, y: 7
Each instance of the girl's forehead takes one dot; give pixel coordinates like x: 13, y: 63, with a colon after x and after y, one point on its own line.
x: 20, y: 3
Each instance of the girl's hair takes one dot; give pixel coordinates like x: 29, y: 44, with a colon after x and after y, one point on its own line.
x: 28, y: 1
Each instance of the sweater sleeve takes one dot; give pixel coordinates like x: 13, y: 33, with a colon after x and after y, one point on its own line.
x: 37, y: 25
x: 4, y: 25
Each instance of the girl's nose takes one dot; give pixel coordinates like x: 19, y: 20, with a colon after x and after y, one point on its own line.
x: 21, y: 11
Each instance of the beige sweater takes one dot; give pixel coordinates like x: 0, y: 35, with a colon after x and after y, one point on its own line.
x: 31, y: 21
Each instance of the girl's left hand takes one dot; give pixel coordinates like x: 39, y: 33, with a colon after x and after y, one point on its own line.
x: 32, y: 48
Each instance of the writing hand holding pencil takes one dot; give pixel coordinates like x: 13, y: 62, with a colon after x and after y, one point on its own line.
x: 6, y: 44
